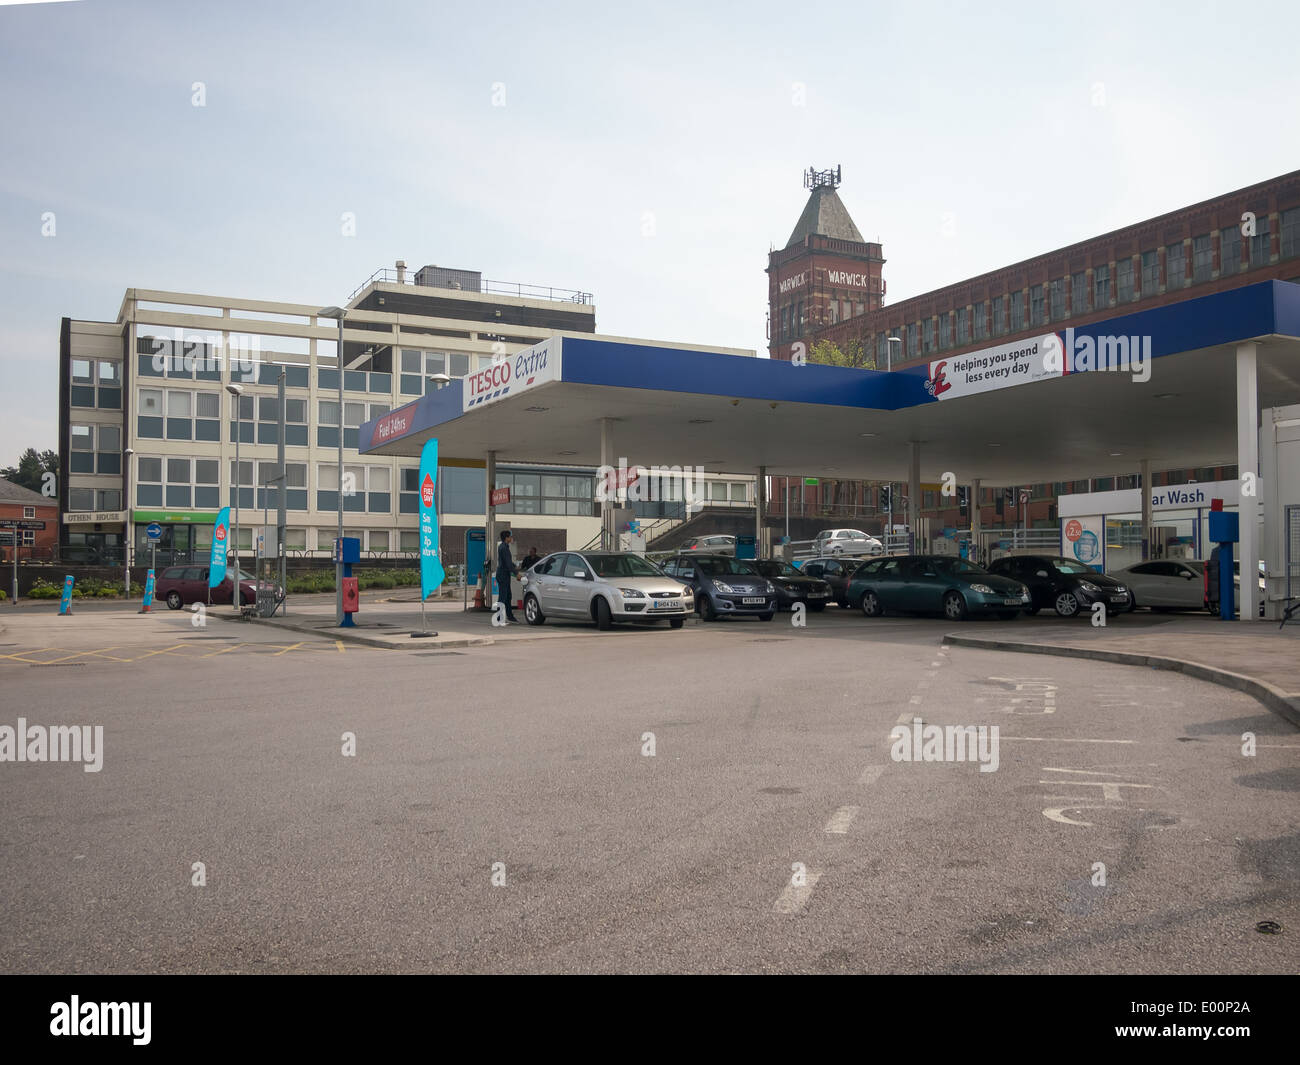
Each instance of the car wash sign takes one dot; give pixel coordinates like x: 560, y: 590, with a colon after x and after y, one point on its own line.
x: 1018, y: 363
x: 525, y: 370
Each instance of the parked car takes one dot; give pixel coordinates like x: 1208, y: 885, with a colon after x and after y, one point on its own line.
x: 721, y: 544
x: 836, y: 572
x: 604, y: 587
x: 178, y: 586
x: 1165, y: 584
x: 930, y: 584
x: 794, y: 586
x: 725, y: 586
x: 1066, y: 585
x: 846, y: 542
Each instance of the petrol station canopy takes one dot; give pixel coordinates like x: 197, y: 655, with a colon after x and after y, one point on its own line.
x: 1018, y: 412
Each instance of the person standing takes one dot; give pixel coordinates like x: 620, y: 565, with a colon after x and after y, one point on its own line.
x: 505, y: 569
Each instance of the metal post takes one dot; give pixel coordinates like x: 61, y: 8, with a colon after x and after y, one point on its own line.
x: 787, y: 509
x: 280, y: 519
x: 239, y: 431
x: 126, y: 521
x: 338, y: 564
x: 15, y: 599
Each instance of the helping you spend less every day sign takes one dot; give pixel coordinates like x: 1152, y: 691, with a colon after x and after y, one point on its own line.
x: 984, y: 371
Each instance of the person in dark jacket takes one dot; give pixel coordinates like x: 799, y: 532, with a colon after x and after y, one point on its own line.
x: 531, y: 559
x: 505, y: 568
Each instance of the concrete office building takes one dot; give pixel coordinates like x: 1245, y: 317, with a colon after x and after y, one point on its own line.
x: 148, y: 426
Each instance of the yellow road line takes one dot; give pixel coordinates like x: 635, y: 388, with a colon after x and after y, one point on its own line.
x: 224, y: 650
x: 290, y: 647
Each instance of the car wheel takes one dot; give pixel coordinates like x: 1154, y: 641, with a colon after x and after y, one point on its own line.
x: 533, y: 611
x: 954, y: 606
x: 707, y: 613
x: 1067, y: 605
x: 676, y: 623
x: 768, y: 616
x: 871, y: 605
x: 174, y: 601
x: 604, y: 620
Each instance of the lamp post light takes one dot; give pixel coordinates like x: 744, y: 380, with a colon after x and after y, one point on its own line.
x: 889, y: 352
x: 126, y: 525
x: 338, y: 313
x: 237, y: 392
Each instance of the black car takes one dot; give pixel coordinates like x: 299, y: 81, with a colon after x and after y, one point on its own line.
x: 837, y: 572
x: 1065, y: 585
x: 724, y: 586
x: 794, y: 586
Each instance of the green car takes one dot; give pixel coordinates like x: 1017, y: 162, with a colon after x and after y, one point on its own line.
x: 934, y: 584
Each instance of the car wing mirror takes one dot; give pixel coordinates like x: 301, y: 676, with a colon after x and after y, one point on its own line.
x: 580, y: 573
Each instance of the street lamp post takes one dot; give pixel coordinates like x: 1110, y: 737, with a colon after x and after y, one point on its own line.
x: 889, y: 352
x: 237, y: 392
x: 126, y: 525
x: 338, y: 313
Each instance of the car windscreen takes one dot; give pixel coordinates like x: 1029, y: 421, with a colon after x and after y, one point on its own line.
x: 622, y: 566
x: 723, y: 567
x: 770, y: 567
x: 956, y: 565
x: 1068, y: 565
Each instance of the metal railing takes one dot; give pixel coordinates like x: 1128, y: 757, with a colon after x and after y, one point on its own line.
x: 388, y: 275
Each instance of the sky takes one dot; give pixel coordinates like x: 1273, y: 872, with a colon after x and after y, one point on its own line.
x: 651, y: 155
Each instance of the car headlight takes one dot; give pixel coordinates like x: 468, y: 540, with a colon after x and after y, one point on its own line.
x: 1120, y: 589
x: 1088, y: 586
x: 631, y: 593
x: 983, y: 589
x: 725, y: 589
x: 771, y: 589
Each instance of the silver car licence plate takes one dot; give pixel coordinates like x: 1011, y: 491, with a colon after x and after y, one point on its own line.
x: 752, y: 599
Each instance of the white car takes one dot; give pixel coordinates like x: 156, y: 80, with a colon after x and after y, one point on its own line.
x: 1165, y: 584
x: 846, y: 542
x: 604, y: 587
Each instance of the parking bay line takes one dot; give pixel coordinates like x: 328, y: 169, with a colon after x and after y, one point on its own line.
x: 841, y: 819
x: 871, y: 774
x: 1056, y: 739
x: 793, y: 899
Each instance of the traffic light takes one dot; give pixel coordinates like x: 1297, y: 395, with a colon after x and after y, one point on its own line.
x: 885, y: 496
x: 1009, y: 494
x: 963, y: 499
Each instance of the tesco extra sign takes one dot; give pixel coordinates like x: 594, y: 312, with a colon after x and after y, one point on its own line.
x: 507, y: 377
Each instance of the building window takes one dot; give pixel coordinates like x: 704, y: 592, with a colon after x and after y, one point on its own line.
x: 1150, y: 273
x: 1079, y: 293
x: 86, y: 375
x: 1101, y: 287
x: 999, y: 316
x: 927, y: 334
x: 81, y: 498
x: 1259, y: 249
x: 945, y: 330
x: 1058, y: 299
x: 1017, y: 311
x: 1229, y: 251
x: 1175, y: 266
x: 913, y: 339
x: 1202, y: 259
x: 979, y: 320
x: 963, y: 325
x: 95, y: 449
x: 1291, y: 232
x: 1124, y: 280
x: 1037, y: 305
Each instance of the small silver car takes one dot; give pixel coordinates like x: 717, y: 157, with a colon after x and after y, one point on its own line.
x: 604, y: 587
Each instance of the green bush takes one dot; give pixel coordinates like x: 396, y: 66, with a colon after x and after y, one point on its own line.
x: 43, y: 589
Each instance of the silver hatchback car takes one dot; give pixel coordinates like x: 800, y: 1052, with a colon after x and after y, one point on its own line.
x: 604, y: 587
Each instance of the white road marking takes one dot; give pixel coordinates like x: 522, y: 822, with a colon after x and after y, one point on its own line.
x: 794, y: 899
x: 871, y: 774
x: 1087, y: 772
x: 841, y: 819
x: 1055, y: 739
x: 914, y: 700
x: 1109, y: 788
x: 906, y: 718
x: 933, y: 664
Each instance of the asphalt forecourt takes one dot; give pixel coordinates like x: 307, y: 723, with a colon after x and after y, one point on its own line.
x: 745, y: 797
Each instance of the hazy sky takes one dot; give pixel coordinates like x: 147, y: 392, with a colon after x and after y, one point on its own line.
x: 1028, y: 126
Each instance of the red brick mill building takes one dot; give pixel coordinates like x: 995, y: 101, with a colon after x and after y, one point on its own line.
x: 828, y: 284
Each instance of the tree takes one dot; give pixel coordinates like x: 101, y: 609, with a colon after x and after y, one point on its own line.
x: 854, y: 355
x: 31, y: 469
